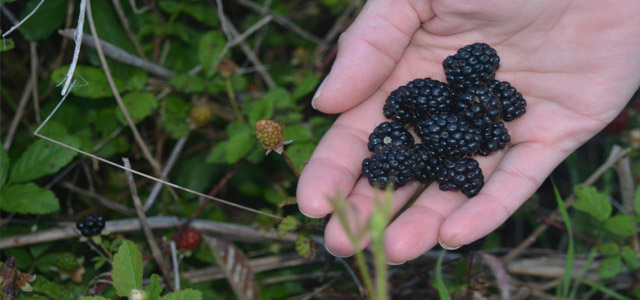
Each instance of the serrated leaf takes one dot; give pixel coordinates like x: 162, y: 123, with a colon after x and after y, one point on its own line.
x: 217, y: 153
x: 174, y: 117
x: 7, y: 44
x: 281, y: 97
x: 610, y: 267
x: 305, y: 246
x: 297, y: 133
x: 43, y: 158
x: 262, y: 109
x: 235, y: 266
x: 28, y: 198
x: 609, y: 249
x: 622, y: 225
x: 154, y: 288
x: 288, y: 224
x: 92, y: 83
x: 50, y: 289
x: 300, y: 154
x: 210, y: 49
x: 593, y: 202
x: 186, y: 294
x: 4, y: 166
x: 306, y: 86
x: 630, y: 257
x: 46, y: 20
x: 139, y: 105
x: 240, y: 143
x: 127, y: 269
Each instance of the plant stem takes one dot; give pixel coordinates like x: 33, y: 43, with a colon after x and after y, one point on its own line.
x: 232, y: 99
x: 290, y: 162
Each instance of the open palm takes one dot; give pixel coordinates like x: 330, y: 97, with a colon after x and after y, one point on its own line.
x: 576, y: 62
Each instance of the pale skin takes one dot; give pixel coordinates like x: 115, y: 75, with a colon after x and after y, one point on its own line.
x: 577, y: 63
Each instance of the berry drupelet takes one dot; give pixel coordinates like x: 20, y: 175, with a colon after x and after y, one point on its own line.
x: 389, y: 166
x: 389, y: 134
x: 449, y: 136
x: 91, y: 225
x: 463, y: 174
x: 472, y: 65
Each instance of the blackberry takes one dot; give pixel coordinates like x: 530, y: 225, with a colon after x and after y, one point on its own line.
x: 91, y: 225
x: 449, y: 136
x: 398, y: 106
x: 472, y: 65
x: 430, y: 97
x: 464, y: 175
x: 479, y: 106
x: 426, y: 163
x: 513, y: 104
x: 389, y: 166
x: 494, y: 138
x: 389, y: 133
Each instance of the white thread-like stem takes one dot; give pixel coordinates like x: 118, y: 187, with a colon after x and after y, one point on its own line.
x: 76, y: 50
x: 16, y: 26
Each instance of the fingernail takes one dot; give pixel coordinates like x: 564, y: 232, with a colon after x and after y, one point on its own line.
x: 339, y: 256
x: 317, y: 94
x: 395, y: 264
x: 445, y: 246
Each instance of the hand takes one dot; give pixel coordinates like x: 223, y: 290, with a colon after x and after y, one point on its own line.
x: 576, y: 62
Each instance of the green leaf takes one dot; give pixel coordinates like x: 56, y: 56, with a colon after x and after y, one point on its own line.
x: 50, y: 289
x: 630, y: 257
x: 210, y: 50
x: 46, y: 20
x: 127, y: 269
x: 281, y: 97
x: 28, y: 198
x: 139, y: 105
x: 297, y: 133
x: 636, y: 202
x: 622, y: 225
x: 4, y: 166
x: 92, y: 83
x: 43, y: 158
x: 174, y: 116
x: 300, y: 154
x: 591, y: 201
x: 288, y: 224
x: 154, y: 288
x: 305, y: 246
x: 610, y: 267
x: 262, y: 109
x: 186, y: 294
x: 202, y: 13
x: 307, y: 85
x: 240, y: 143
x: 188, y: 83
x: 7, y: 44
x: 217, y: 153
x: 609, y: 249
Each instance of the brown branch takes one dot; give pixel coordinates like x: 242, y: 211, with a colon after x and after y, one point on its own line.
x: 104, y: 201
x: 127, y: 29
x: 8, y: 139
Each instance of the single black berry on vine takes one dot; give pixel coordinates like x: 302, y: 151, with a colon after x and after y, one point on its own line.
x: 91, y: 225
x: 479, y: 106
x: 463, y: 174
x: 472, y: 65
x: 389, y: 166
x: 513, y: 104
x: 389, y: 134
x: 449, y: 136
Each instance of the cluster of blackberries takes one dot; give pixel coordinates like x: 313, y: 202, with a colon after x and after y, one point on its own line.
x: 91, y: 225
x: 454, y: 120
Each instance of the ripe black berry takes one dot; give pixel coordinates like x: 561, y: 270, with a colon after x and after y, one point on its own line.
x: 389, y: 134
x: 479, y: 106
x: 430, y: 97
x: 426, y: 163
x: 464, y: 175
x: 398, y: 106
x: 494, y: 138
x: 389, y: 166
x: 513, y: 104
x: 449, y: 136
x: 91, y: 225
x: 472, y: 65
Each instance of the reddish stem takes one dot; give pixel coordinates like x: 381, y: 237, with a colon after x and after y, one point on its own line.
x: 291, y: 165
x: 553, y: 223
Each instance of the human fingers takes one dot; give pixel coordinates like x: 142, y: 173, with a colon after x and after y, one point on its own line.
x: 336, y: 163
x: 368, y: 51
